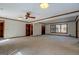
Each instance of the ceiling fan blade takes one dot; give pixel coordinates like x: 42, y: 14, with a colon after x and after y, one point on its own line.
x: 28, y: 15
x: 32, y: 17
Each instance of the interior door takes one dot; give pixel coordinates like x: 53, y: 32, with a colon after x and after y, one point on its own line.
x: 1, y: 29
x: 29, y: 29
x: 78, y: 29
x: 43, y: 29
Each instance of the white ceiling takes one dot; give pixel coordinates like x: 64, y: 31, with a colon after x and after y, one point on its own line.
x: 72, y: 18
x: 16, y: 10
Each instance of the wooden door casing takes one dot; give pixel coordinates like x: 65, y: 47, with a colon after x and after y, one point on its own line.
x: 29, y: 29
x: 1, y: 29
x: 43, y: 29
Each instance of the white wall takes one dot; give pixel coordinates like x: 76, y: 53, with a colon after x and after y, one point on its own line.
x: 13, y: 28
x: 72, y: 28
x: 36, y: 29
x: 47, y: 29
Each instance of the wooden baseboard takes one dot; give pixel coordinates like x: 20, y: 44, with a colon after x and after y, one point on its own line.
x: 62, y: 35
x: 14, y: 37
x: 37, y: 35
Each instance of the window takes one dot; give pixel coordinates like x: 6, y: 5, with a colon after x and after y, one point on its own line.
x: 64, y: 28
x: 59, y: 28
x: 53, y: 28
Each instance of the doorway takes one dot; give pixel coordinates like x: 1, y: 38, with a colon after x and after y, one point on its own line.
x: 29, y: 29
x: 43, y: 29
x: 78, y: 29
x: 1, y: 29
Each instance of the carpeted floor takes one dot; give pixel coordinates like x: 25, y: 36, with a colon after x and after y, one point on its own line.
x: 40, y: 45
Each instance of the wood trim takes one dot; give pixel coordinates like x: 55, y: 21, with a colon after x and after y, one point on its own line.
x: 2, y: 21
x: 14, y: 19
x: 42, y: 29
x: 43, y: 18
x: 77, y: 26
x: 60, y: 22
x: 3, y: 28
x: 76, y: 19
x: 77, y: 29
x: 57, y: 15
x: 61, y: 35
x: 14, y: 37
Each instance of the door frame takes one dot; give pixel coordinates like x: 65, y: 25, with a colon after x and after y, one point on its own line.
x: 30, y: 29
x: 2, y: 21
x: 77, y: 29
x: 42, y: 28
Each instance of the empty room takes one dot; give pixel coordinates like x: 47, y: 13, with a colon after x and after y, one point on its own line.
x: 39, y: 28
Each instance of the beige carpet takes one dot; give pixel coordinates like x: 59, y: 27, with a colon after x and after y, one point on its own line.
x: 40, y: 45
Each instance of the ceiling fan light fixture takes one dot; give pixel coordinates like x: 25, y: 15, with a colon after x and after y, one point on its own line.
x: 44, y: 5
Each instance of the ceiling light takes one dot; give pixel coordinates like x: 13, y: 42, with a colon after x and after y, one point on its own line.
x: 44, y: 5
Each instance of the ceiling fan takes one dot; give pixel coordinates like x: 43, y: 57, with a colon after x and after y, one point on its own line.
x: 28, y: 15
